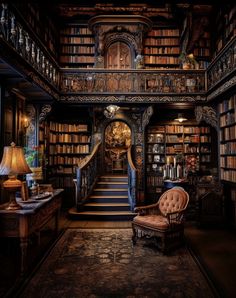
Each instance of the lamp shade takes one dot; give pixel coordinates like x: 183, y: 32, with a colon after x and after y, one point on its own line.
x: 13, y: 161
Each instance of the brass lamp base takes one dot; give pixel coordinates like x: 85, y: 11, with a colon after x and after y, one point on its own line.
x: 12, y: 185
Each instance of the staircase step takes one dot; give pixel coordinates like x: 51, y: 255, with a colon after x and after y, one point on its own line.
x: 112, y: 185
x: 106, y: 207
x: 110, y: 192
x: 102, y: 215
x: 122, y: 178
x: 106, y: 199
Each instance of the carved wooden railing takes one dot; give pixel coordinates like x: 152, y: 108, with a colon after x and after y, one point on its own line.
x: 222, y: 70
x: 151, y: 82
x: 17, y: 37
x: 131, y: 180
x: 86, y: 175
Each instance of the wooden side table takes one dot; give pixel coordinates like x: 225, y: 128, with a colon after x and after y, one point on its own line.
x: 33, y: 216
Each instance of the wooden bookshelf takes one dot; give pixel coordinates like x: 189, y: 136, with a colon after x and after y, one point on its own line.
x: 225, y: 26
x: 202, y: 51
x: 161, y: 48
x: 227, y: 111
x: 68, y: 145
x: 189, y: 144
x: 77, y: 46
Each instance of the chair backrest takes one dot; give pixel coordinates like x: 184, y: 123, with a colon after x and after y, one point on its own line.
x: 173, y: 199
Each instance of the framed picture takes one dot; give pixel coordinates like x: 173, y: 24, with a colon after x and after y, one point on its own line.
x: 24, y: 191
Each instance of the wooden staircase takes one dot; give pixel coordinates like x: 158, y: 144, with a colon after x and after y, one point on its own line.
x: 109, y: 201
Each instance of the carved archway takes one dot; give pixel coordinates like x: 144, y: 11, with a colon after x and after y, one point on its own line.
x: 117, y: 140
x: 118, y: 56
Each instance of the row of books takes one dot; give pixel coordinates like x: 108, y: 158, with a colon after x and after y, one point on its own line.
x: 161, y: 60
x: 227, y: 119
x: 161, y: 50
x: 201, y: 52
x: 162, y: 42
x: 69, y: 138
x: 233, y: 194
x: 78, y: 49
x: 62, y: 160
x: 228, y: 175
x: 227, y: 104
x: 228, y: 161
x: 228, y: 148
x: 77, y: 59
x: 76, y: 30
x: 77, y: 40
x: 228, y: 133
x: 164, y: 32
x: 63, y: 182
x: 75, y: 149
x: 66, y: 127
x: 154, y: 180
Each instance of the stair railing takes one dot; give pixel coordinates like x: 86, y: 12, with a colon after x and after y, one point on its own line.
x: 131, y: 180
x: 86, y: 174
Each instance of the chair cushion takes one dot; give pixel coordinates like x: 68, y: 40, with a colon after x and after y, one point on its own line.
x: 172, y: 200
x: 153, y: 221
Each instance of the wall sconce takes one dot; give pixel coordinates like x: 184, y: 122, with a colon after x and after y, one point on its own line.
x: 25, y: 122
x: 110, y: 111
x: 13, y: 163
x: 181, y: 118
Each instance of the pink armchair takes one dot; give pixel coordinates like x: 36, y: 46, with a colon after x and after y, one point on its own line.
x: 163, y: 220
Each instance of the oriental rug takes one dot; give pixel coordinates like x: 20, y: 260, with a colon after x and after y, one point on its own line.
x: 104, y: 263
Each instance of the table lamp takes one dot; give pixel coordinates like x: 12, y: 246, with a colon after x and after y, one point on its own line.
x: 13, y: 163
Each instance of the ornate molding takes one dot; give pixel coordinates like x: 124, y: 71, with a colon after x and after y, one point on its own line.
x: 130, y: 99
x: 146, y: 116
x: 45, y: 110
x: 227, y: 85
x: 207, y: 114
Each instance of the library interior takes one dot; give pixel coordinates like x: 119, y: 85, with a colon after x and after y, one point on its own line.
x: 108, y: 108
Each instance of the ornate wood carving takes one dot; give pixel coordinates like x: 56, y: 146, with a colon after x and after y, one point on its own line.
x: 128, y: 81
x: 223, y: 67
x: 146, y: 116
x: 223, y: 88
x: 207, y: 114
x: 45, y: 110
x: 130, y: 99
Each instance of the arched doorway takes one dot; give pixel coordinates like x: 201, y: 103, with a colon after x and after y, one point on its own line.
x: 118, y: 56
x: 117, y: 139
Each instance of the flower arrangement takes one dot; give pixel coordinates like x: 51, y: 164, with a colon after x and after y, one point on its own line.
x: 33, y: 156
x: 188, y: 60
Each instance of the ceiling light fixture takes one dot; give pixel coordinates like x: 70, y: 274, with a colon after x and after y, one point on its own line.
x: 181, y: 118
x: 110, y: 111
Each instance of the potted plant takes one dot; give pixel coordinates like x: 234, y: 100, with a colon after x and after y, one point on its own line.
x: 188, y: 61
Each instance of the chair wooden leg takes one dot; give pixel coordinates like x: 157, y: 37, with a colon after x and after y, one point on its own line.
x: 134, y: 237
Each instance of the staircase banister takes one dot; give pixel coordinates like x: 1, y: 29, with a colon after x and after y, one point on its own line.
x: 88, y: 159
x: 131, y: 180
x: 130, y: 161
x: 86, y: 175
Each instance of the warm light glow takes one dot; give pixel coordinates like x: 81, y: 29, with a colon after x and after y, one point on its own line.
x: 111, y: 110
x: 13, y: 163
x: 181, y: 118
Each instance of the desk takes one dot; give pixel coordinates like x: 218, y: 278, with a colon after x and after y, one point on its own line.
x: 169, y: 183
x: 30, y: 219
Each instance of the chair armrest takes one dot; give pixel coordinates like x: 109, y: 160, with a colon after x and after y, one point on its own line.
x: 149, y: 209
x: 175, y: 216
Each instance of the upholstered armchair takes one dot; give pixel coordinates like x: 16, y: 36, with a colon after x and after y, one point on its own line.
x: 163, y: 220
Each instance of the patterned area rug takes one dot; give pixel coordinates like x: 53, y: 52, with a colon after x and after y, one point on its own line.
x: 103, y: 263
